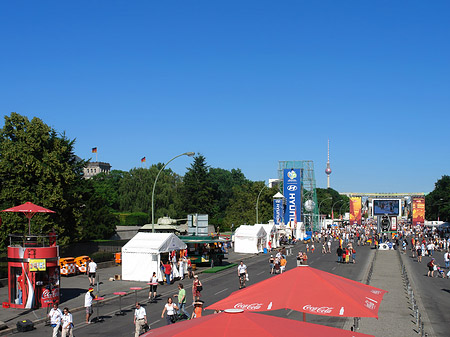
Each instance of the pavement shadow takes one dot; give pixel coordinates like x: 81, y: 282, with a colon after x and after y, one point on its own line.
x: 70, y: 293
x: 446, y: 290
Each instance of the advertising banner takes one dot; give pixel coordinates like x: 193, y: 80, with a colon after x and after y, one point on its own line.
x: 355, y: 210
x: 37, y: 265
x: 292, y: 188
x: 418, y: 211
x: 278, y: 211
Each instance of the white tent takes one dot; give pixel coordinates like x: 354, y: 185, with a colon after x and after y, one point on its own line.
x: 272, y: 235
x: 249, y: 239
x: 141, y: 255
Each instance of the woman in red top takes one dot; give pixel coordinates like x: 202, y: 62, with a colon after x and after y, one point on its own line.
x: 196, y: 289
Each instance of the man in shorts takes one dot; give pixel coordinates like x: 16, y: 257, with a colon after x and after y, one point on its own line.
x: 91, y: 270
x: 88, y: 303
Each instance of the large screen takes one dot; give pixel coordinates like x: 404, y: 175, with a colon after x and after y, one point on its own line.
x: 386, y: 206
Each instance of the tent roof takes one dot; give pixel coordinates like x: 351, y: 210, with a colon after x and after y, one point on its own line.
x: 250, y: 231
x: 156, y: 242
x: 267, y: 227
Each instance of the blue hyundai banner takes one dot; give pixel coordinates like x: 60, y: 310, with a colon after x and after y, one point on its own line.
x: 292, y: 192
x: 278, y: 211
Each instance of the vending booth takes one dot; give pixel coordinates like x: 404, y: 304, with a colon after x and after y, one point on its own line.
x: 33, y: 271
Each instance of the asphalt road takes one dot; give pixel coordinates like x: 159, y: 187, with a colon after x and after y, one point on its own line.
x: 434, y: 292
x: 216, y: 287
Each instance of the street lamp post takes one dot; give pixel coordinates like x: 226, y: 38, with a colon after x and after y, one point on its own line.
x: 190, y: 154
x: 257, y: 199
x: 332, y: 207
x: 340, y: 209
x: 320, y: 203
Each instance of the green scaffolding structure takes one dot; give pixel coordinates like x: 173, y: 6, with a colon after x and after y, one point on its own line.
x: 310, y: 217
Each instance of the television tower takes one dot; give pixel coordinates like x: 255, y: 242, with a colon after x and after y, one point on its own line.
x: 328, y: 169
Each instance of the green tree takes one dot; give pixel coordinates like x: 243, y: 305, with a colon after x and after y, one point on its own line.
x: 107, y: 186
x: 328, y: 197
x: 136, y: 187
x: 198, y: 192
x: 223, y: 182
x: 37, y: 164
x: 437, y: 202
x: 242, y: 208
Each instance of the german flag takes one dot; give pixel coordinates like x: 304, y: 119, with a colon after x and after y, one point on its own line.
x: 94, y: 150
x: 143, y: 159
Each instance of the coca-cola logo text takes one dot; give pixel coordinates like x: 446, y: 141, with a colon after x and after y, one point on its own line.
x: 318, y: 310
x: 376, y: 292
x: 370, y: 305
x: 46, y: 294
x: 253, y: 306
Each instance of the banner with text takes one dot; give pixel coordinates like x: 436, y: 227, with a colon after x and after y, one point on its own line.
x: 355, y: 210
x: 278, y: 211
x: 418, y: 211
x: 292, y: 187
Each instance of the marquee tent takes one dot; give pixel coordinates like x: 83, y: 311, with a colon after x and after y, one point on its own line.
x: 249, y: 239
x: 141, y: 255
x: 272, y: 235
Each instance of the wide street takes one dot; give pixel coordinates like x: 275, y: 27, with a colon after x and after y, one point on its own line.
x: 216, y: 287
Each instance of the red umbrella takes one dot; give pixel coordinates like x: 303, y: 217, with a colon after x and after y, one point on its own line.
x: 29, y: 209
x: 308, y: 290
x: 248, y: 324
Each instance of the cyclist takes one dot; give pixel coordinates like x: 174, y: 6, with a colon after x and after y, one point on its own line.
x: 242, y: 273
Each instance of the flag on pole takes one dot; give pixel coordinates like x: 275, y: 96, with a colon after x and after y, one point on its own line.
x: 332, y: 214
x: 94, y: 150
x: 143, y: 160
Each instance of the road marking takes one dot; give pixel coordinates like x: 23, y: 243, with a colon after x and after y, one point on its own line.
x: 221, y: 291
x: 333, y: 268
x: 261, y: 273
x: 155, y: 322
x: 290, y: 312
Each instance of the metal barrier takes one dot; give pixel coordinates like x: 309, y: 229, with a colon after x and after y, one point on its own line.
x: 414, y: 307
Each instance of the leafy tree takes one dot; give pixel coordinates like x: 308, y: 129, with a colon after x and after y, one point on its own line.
x: 242, y: 208
x: 136, y: 187
x: 223, y: 182
x: 107, y: 186
x: 328, y: 198
x: 37, y: 164
x: 437, y: 202
x: 198, y: 192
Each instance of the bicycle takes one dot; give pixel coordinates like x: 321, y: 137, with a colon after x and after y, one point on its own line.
x: 242, y: 281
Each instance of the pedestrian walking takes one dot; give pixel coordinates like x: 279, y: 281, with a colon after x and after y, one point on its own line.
x: 182, y: 300
x: 353, y: 255
x: 67, y: 323
x: 153, y: 286
x: 170, y: 308
x: 140, y: 319
x: 197, y: 288
x: 447, y: 259
x: 431, y: 268
x: 91, y: 271
x: 283, y: 263
x: 168, y: 272
x: 272, y: 264
x: 88, y: 297
x: 55, y: 316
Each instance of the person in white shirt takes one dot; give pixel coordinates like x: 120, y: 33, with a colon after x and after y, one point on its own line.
x: 67, y: 323
x: 91, y: 270
x: 242, y: 273
x: 170, y: 308
x: 88, y: 297
x: 140, y: 319
x: 447, y: 259
x: 55, y: 316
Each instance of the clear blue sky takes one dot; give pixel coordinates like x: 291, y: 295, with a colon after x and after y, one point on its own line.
x: 245, y: 83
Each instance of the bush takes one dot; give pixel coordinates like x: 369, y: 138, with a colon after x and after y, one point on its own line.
x: 102, y: 256
x: 133, y: 219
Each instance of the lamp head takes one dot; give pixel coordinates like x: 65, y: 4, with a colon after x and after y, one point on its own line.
x: 190, y: 154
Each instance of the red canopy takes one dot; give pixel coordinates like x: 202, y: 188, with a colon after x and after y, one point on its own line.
x: 248, y: 324
x: 29, y: 209
x: 308, y: 290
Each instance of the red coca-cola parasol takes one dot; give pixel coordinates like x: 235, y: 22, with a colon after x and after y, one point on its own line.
x: 308, y: 290
x: 228, y: 324
x: 29, y: 209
